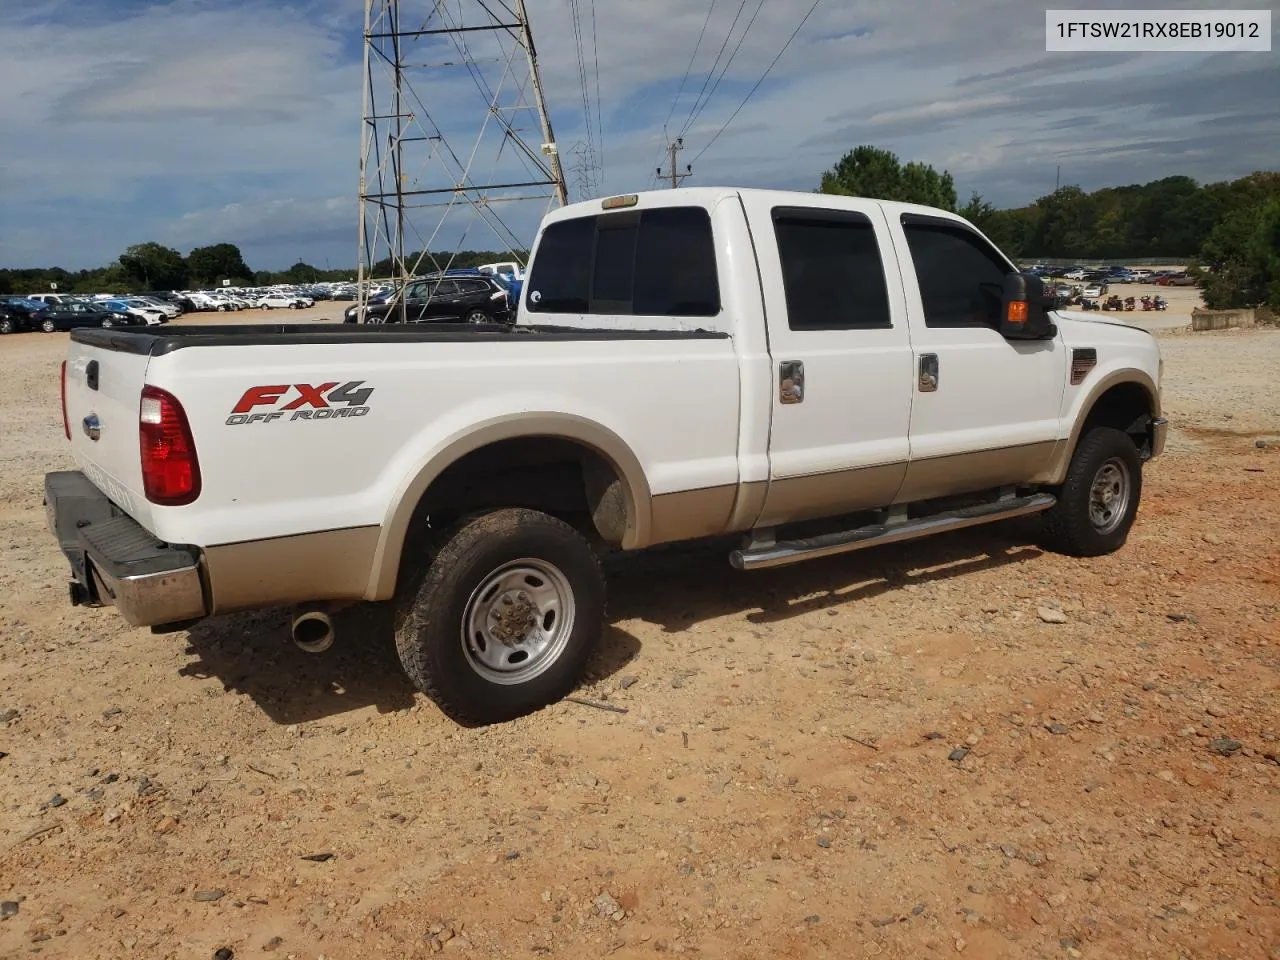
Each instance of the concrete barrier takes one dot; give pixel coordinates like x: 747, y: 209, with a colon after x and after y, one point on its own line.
x: 1230, y: 319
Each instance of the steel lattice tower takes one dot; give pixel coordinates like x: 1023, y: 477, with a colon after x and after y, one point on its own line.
x: 441, y: 75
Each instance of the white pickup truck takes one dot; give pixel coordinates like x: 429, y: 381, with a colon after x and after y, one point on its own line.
x: 818, y: 374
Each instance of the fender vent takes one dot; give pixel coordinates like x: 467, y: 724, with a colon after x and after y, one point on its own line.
x: 1083, y: 360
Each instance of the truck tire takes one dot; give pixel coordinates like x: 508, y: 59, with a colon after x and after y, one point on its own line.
x: 502, y: 622
x: 1098, y: 502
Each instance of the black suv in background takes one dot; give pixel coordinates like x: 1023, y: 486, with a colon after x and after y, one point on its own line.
x: 466, y: 299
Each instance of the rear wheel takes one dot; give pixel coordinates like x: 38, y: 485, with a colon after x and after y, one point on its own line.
x: 1098, y: 503
x: 48, y: 326
x: 477, y: 316
x: 6, y: 326
x: 107, y: 322
x: 504, y: 619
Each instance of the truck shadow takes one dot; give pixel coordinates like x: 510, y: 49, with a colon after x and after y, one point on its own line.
x: 678, y: 586
x: 253, y: 654
x: 672, y: 587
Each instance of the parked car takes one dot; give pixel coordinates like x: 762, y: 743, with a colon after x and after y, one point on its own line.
x: 14, y: 319
x: 1079, y: 273
x: 281, y: 301
x: 1094, y: 290
x: 143, y: 311
x: 480, y: 467
x: 75, y: 314
x: 1141, y: 276
x: 457, y: 299
x: 1177, y: 280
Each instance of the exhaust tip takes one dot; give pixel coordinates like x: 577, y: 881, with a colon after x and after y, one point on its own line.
x: 313, y: 631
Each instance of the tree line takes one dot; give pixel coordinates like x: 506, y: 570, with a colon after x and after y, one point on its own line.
x: 1229, y: 231
x: 153, y: 266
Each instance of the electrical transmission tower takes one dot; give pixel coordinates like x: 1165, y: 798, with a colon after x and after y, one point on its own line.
x: 586, y: 172
x: 455, y: 135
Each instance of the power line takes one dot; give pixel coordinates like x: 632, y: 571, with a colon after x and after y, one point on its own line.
x: 763, y: 76
x: 728, y: 63
x: 685, y: 79
x: 595, y: 55
x: 715, y: 63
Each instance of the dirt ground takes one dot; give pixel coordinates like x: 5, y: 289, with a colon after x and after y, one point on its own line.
x: 886, y: 754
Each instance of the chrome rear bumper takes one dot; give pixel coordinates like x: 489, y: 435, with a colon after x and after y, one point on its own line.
x: 116, y: 562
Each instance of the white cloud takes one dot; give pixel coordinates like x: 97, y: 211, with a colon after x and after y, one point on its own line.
x: 195, y: 121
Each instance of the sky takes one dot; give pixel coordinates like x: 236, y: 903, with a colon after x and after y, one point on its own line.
x: 193, y: 122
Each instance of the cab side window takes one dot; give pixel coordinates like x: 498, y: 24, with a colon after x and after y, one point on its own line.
x: 831, y: 270
x: 961, y: 276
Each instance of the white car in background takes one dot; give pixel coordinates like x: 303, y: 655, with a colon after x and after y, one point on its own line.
x: 281, y: 301
x: 170, y: 310
x: 136, y: 308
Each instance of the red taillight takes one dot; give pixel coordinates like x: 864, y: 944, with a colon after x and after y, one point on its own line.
x: 62, y: 388
x: 170, y: 470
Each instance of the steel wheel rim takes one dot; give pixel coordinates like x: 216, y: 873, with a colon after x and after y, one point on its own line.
x: 517, y: 622
x: 1109, y: 496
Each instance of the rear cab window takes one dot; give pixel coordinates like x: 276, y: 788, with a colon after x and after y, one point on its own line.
x: 659, y: 262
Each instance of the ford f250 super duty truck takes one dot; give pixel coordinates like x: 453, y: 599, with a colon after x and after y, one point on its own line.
x: 815, y: 373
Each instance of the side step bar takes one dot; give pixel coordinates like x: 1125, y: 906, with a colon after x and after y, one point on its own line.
x: 845, y: 541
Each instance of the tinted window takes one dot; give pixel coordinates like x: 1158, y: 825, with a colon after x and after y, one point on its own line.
x: 961, y: 276
x: 613, y: 275
x: 561, y: 277
x: 831, y: 270
x: 473, y: 286
x: 652, y: 263
x: 676, y: 264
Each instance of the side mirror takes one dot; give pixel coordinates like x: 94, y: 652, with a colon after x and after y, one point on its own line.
x: 1024, y: 311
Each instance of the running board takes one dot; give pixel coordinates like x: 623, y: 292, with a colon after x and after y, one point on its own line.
x: 845, y: 541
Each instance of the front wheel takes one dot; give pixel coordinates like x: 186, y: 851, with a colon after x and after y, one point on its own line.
x: 6, y: 326
x: 48, y: 326
x: 1098, y: 503
x: 504, y: 619
x: 107, y: 323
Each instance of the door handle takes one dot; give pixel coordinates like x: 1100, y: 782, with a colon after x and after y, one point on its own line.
x: 791, y: 381
x: 928, y: 382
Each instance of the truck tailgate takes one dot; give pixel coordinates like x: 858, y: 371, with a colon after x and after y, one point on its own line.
x: 103, y: 394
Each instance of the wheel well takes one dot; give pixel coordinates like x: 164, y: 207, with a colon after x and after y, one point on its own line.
x: 560, y: 477
x: 1127, y: 407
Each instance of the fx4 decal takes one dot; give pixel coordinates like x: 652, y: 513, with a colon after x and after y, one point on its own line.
x: 303, y: 401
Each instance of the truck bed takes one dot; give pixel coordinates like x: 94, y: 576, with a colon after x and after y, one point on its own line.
x: 177, y: 337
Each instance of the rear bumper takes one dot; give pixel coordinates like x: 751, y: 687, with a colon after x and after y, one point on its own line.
x: 115, y: 562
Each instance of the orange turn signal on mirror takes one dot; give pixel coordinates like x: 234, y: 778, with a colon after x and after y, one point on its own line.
x: 1018, y: 311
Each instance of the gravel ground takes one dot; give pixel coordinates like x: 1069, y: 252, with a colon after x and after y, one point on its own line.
x: 961, y: 745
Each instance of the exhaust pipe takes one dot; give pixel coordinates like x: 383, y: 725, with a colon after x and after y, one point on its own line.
x: 312, y: 629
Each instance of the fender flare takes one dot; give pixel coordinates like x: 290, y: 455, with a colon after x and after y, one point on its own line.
x: 1067, y: 449
x: 562, y: 426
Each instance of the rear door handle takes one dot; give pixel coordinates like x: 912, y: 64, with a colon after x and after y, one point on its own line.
x: 928, y: 381
x: 791, y: 381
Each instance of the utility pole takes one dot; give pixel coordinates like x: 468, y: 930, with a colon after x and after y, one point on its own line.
x: 672, y: 174
x: 1057, y: 181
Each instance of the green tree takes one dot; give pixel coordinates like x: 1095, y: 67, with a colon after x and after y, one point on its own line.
x: 209, y: 266
x: 872, y: 172
x: 1242, y: 256
x: 152, y: 266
